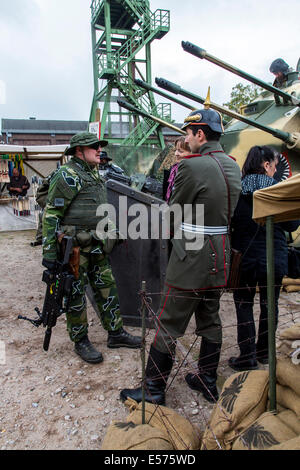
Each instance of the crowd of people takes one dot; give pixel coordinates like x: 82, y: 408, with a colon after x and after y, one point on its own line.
x: 200, y: 174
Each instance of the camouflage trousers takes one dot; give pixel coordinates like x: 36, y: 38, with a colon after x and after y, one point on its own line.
x: 93, y: 270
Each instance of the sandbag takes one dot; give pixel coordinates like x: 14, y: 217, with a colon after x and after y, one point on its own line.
x: 129, y: 436
x: 289, y: 342
x: 267, y: 431
x: 178, y: 430
x: 242, y: 400
x: 290, y: 419
x: 287, y: 281
x: 286, y: 348
x: 292, y: 444
x: 288, y: 374
x: 291, y: 333
x: 287, y: 398
x: 292, y: 288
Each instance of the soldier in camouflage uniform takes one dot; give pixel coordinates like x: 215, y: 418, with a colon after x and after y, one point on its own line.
x: 75, y: 192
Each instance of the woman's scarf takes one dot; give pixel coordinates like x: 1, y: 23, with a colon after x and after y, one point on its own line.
x: 253, y: 182
x: 171, y: 181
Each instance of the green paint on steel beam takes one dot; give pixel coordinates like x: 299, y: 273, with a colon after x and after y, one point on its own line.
x: 120, y: 30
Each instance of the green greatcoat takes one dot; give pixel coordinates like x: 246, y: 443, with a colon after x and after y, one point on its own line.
x: 194, y: 276
x: 74, y: 194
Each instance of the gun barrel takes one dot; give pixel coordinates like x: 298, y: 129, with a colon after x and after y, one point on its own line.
x: 203, y: 54
x: 133, y: 109
x: 285, y: 136
x: 148, y: 87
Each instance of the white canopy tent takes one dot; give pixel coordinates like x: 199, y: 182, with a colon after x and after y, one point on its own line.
x: 40, y: 159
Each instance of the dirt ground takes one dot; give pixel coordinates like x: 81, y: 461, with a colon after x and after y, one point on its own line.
x: 54, y: 400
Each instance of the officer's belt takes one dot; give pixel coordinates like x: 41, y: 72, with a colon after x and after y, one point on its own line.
x: 204, y: 229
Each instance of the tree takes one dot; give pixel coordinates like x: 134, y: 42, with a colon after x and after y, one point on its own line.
x: 242, y: 95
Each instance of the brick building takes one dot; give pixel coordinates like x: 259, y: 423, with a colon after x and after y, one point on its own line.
x: 45, y: 132
x: 39, y: 132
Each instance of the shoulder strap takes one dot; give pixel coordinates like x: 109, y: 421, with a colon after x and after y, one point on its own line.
x: 227, y: 185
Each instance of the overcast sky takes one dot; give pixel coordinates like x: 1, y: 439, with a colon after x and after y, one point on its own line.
x: 46, y: 58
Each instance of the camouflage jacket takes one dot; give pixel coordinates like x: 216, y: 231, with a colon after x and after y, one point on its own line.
x: 65, y: 185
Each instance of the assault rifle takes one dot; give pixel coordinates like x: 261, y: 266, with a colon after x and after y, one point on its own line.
x: 58, y: 292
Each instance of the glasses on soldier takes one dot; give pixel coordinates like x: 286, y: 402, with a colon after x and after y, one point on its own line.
x: 95, y: 146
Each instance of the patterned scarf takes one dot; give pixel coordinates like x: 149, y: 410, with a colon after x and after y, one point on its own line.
x: 253, y: 182
x: 171, y: 181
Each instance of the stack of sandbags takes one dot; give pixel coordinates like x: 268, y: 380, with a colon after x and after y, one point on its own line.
x: 281, y: 430
x: 164, y: 429
x: 288, y: 385
x: 243, y: 399
x: 290, y: 285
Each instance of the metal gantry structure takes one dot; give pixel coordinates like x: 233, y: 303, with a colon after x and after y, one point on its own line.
x: 122, y: 32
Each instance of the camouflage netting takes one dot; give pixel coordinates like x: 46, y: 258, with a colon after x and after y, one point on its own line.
x: 145, y: 160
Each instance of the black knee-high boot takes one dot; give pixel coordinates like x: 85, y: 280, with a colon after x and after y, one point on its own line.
x: 205, y: 379
x: 158, y: 369
x: 246, y: 338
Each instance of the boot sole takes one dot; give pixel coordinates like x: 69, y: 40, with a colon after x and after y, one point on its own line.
x: 263, y: 361
x: 125, y: 397
x: 242, y: 369
x: 122, y: 345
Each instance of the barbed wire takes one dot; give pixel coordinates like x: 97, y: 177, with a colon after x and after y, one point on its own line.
x: 185, y: 362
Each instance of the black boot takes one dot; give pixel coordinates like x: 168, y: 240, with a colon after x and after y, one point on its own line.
x: 158, y: 369
x: 205, y: 380
x: 87, y: 352
x: 122, y: 339
x: 246, y: 338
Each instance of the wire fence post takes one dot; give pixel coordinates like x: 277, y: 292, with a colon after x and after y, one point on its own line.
x: 271, y: 311
x: 143, y: 350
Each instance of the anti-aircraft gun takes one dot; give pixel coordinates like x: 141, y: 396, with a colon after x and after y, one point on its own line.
x: 261, y: 122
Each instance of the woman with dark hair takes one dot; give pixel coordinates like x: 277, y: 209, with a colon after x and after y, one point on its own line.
x: 249, y: 238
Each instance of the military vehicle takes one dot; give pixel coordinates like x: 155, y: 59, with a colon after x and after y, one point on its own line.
x: 284, y: 116
x: 265, y: 121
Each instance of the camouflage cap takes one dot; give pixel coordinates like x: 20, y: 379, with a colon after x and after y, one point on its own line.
x: 279, y: 65
x: 202, y: 117
x: 84, y: 139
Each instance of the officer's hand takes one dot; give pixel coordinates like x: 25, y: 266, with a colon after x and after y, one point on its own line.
x: 49, y: 264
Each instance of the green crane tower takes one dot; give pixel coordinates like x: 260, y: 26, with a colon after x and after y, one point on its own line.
x: 122, y: 32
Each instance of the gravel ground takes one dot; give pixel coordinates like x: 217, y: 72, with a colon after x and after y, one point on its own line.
x: 54, y: 400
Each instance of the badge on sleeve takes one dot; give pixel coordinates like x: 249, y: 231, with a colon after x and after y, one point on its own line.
x: 59, y: 202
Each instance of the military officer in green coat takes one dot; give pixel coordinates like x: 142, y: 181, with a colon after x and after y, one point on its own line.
x: 75, y: 192
x: 196, y: 274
